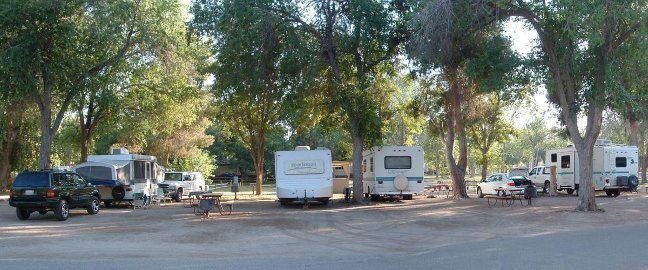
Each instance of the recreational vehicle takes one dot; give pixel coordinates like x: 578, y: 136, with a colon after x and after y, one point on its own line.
x: 304, y: 175
x: 119, y: 175
x: 393, y: 171
x: 615, y: 167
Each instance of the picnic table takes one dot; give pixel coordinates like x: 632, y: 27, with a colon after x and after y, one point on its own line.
x: 506, y: 195
x: 209, y: 201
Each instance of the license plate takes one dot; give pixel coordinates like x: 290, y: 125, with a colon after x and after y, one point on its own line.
x: 29, y: 192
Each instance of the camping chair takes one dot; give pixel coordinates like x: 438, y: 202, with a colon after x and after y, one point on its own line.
x: 160, y: 197
x: 138, y: 200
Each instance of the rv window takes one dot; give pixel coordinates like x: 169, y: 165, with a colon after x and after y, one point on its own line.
x: 398, y: 162
x: 364, y: 165
x: 371, y: 165
x: 621, y: 162
x: 95, y: 173
x: 140, y: 169
x: 565, y: 162
x: 554, y: 158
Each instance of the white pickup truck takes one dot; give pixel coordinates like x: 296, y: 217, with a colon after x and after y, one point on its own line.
x: 179, y: 184
x: 540, y: 177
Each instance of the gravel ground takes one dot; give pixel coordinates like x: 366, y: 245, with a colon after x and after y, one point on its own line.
x: 260, y: 228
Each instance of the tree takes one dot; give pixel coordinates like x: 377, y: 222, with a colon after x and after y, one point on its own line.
x: 579, y: 42
x: 356, y: 40
x: 59, y: 45
x: 465, y: 59
x: 259, y: 61
x: 486, y: 127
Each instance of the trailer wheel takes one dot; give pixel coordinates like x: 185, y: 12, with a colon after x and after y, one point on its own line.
x: 106, y: 204
x: 408, y: 196
x: 570, y: 191
x: 617, y: 192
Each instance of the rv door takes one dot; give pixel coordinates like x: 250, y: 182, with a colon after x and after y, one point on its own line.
x: 566, y: 171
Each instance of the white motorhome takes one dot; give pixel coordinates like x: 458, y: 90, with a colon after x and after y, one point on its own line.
x: 119, y: 175
x: 393, y: 171
x: 615, y: 167
x: 304, y: 175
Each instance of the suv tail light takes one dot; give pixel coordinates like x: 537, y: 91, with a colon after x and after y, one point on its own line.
x: 51, y: 193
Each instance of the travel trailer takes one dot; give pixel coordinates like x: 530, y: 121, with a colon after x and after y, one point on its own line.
x: 615, y: 167
x: 119, y: 175
x: 304, y: 175
x: 393, y: 171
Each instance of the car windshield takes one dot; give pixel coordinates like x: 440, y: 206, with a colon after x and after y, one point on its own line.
x: 32, y: 179
x: 172, y: 177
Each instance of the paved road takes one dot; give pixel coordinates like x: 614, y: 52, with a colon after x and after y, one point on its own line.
x: 424, y: 234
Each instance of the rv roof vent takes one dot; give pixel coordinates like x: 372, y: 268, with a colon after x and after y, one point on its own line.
x: 119, y: 151
x: 302, y: 148
x: 603, y: 142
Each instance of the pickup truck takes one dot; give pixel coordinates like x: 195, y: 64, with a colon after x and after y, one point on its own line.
x: 178, y: 184
x: 540, y: 177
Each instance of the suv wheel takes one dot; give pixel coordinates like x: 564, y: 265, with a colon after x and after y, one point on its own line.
x: 22, y: 214
x: 178, y: 196
x: 93, y: 207
x: 62, y: 210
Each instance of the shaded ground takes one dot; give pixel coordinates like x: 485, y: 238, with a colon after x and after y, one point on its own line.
x: 260, y: 228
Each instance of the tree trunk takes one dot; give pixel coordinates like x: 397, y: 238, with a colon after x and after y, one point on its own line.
x: 634, y: 130
x: 356, y: 159
x: 85, y: 140
x: 456, y: 128
x: 13, y: 114
x: 484, y: 171
x: 586, y: 198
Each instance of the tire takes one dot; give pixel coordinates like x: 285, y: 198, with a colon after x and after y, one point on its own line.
x: 617, y: 192
x: 62, y: 210
x: 570, y: 191
x: 22, y: 214
x: 178, y: 196
x: 480, y: 194
x: 546, y: 187
x: 633, y: 182
x: 118, y: 193
x: 93, y: 207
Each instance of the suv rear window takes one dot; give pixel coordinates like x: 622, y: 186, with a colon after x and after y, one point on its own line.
x: 32, y: 179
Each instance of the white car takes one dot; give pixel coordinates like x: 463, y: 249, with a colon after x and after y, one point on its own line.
x: 500, y: 180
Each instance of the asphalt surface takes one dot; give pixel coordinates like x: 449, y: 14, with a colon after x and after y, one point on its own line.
x: 419, y: 234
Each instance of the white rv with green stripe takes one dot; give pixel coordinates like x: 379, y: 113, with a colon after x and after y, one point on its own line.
x: 393, y: 171
x: 615, y: 167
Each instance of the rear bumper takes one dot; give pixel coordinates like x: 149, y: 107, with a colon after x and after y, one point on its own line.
x: 49, y: 204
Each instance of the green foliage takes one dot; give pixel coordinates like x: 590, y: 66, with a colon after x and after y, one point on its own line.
x: 202, y: 162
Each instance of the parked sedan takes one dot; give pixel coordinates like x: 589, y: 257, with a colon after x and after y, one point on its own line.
x: 501, y: 180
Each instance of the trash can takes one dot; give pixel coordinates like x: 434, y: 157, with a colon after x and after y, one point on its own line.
x: 235, y: 184
x: 347, y: 194
x: 529, y: 193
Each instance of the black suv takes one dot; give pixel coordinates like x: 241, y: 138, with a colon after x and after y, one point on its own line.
x: 56, y: 191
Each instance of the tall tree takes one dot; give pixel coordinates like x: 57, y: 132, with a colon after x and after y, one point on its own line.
x: 259, y: 61
x: 579, y: 42
x: 470, y: 60
x: 60, y: 44
x: 356, y: 40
